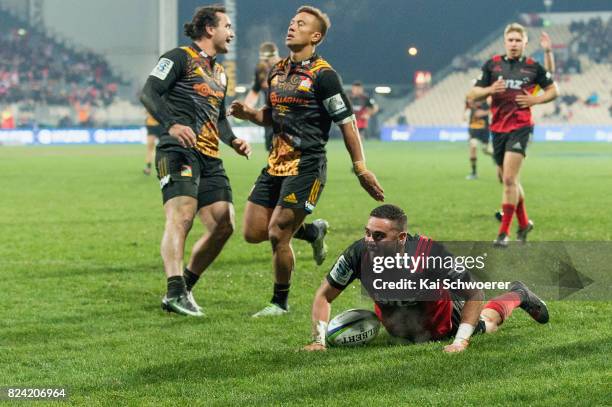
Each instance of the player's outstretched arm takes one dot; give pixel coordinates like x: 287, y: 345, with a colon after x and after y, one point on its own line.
x: 367, y: 179
x: 251, y: 98
x: 469, y: 321
x: 261, y: 117
x: 321, y: 309
x: 226, y: 134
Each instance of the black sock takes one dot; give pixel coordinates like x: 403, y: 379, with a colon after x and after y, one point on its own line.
x: 148, y: 165
x: 307, y: 232
x: 473, y: 162
x: 176, y: 286
x: 190, y: 279
x: 281, y: 293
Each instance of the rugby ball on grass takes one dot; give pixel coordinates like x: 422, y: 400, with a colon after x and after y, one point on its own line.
x: 352, y: 327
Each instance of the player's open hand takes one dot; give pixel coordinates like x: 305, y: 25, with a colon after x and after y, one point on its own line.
x: 456, y: 347
x: 314, y: 347
x: 184, y: 134
x: 498, y: 86
x: 242, y: 147
x: 369, y: 182
x: 526, y: 100
x: 239, y: 110
x: 545, y: 41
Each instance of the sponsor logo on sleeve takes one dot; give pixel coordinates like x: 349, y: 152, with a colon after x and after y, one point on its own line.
x: 334, y: 105
x: 162, y: 69
x: 342, y: 272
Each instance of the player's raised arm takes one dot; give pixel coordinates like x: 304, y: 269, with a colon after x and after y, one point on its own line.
x: 549, y: 57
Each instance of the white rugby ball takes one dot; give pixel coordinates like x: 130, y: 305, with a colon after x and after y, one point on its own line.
x: 353, y: 327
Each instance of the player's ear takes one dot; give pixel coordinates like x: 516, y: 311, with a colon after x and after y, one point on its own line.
x: 210, y: 30
x: 402, y: 236
x: 316, y: 37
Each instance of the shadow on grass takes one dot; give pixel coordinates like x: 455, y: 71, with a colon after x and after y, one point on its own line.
x: 383, y: 369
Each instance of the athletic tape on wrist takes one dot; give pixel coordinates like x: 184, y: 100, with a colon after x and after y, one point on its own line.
x: 321, y: 332
x: 359, y: 167
x: 464, y: 332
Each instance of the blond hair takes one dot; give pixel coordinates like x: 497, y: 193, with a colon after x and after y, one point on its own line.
x: 322, y: 18
x: 516, y: 27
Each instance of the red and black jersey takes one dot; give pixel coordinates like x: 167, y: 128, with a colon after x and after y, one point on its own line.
x: 431, y: 317
x: 361, y: 104
x: 522, y: 74
x: 305, y: 97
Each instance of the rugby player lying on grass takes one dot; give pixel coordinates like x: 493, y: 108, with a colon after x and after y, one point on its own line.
x: 420, y: 321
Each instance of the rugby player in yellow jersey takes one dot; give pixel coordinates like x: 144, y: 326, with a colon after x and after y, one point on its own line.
x: 305, y: 96
x: 185, y: 93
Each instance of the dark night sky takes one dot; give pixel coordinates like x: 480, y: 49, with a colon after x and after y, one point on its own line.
x: 369, y: 38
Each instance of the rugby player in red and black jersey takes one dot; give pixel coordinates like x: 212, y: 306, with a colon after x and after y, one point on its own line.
x: 513, y: 81
x: 185, y: 93
x: 457, y: 313
x: 305, y: 97
x: 364, y: 107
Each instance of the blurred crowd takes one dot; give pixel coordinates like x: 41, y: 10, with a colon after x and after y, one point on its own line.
x: 593, y: 39
x: 35, y: 69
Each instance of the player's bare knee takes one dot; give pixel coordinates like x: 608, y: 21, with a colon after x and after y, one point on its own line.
x: 490, y: 326
x: 491, y: 319
x: 278, y: 236
x: 509, y: 182
x: 253, y: 235
x: 223, y: 230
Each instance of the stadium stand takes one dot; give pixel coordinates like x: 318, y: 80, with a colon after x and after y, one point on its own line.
x: 581, y: 43
x: 44, y: 82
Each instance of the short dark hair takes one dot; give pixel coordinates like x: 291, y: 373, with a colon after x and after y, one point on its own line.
x: 322, y: 18
x: 203, y: 17
x: 268, y: 50
x: 393, y: 213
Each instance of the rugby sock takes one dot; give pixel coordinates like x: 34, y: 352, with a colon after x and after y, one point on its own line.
x: 281, y: 294
x: 176, y: 286
x: 148, y: 165
x: 190, y: 279
x: 307, y: 232
x: 504, y: 304
x: 473, y: 163
x: 521, y: 213
x: 508, y: 213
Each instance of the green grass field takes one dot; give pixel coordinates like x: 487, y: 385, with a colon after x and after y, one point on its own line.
x: 82, y: 280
